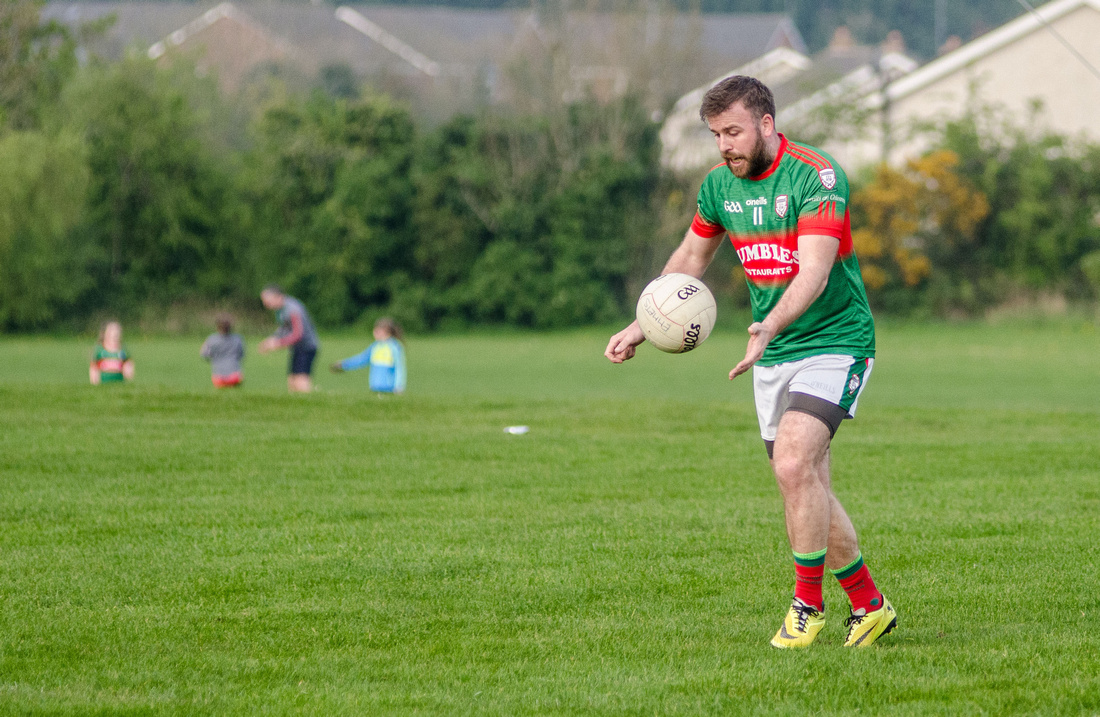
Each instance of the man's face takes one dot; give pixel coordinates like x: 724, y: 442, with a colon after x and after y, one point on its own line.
x: 271, y: 300
x: 740, y: 138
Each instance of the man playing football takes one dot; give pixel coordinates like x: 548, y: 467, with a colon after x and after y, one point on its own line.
x: 811, y: 345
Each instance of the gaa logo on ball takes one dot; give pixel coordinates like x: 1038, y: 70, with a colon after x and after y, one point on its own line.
x: 676, y: 312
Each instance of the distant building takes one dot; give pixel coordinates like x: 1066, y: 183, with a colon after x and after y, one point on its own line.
x: 803, y: 86
x: 1021, y: 65
x: 429, y: 52
x: 878, y: 103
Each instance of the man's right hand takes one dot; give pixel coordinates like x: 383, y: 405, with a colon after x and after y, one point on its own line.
x: 622, y: 345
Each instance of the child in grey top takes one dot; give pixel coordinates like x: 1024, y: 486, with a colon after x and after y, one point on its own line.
x: 224, y: 350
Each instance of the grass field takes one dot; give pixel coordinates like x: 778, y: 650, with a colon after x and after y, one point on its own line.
x: 169, y: 549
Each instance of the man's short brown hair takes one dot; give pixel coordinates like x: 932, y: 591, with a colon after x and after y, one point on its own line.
x: 753, y: 93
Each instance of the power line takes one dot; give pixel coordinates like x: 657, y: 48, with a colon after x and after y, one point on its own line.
x: 1073, y: 50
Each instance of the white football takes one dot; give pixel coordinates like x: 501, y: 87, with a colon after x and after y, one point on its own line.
x: 676, y: 312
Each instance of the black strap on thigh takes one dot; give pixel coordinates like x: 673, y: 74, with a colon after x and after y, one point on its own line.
x: 828, y: 413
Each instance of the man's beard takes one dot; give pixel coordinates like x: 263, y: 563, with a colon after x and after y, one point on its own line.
x: 758, y: 159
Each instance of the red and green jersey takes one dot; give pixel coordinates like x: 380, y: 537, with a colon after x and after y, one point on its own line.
x: 110, y: 363
x: 803, y: 192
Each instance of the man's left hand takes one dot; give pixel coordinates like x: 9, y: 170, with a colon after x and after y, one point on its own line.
x: 759, y: 337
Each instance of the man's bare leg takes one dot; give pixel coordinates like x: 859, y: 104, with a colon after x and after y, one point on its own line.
x: 843, y: 543
x: 800, y: 462
x: 801, y: 466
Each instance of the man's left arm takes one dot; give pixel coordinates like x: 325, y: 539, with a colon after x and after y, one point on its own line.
x: 816, y: 255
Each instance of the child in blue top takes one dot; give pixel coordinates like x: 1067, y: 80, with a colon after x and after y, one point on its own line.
x: 386, y: 358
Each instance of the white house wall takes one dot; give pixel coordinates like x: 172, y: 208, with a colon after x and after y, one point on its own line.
x: 1035, y: 66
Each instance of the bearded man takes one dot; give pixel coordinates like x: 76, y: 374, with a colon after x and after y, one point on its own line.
x: 811, y: 345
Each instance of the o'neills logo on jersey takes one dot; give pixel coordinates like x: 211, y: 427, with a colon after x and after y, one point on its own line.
x: 781, y: 205
x: 828, y: 177
x: 768, y: 262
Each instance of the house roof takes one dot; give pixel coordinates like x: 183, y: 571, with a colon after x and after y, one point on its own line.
x: 829, y: 66
x: 799, y: 84
x: 985, y: 45
x: 455, y: 39
x: 855, y: 74
x: 136, y: 23
x: 731, y: 39
x: 313, y: 34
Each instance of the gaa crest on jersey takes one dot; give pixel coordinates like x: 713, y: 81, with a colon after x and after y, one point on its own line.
x: 828, y: 177
x: 781, y: 203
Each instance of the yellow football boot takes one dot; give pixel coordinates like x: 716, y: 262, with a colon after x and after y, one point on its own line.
x: 864, y: 630
x: 800, y: 626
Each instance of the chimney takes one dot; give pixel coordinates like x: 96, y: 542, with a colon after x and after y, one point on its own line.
x: 842, y: 39
x: 953, y: 43
x: 894, y: 42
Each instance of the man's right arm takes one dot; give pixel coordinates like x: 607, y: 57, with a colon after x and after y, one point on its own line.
x: 694, y: 254
x: 288, y: 333
x: 692, y: 257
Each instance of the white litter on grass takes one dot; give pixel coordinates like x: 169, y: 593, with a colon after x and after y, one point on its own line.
x: 517, y: 430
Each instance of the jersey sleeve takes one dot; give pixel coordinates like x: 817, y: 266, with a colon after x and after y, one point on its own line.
x: 707, y: 221
x: 823, y: 201
x: 357, y: 361
x: 293, y: 328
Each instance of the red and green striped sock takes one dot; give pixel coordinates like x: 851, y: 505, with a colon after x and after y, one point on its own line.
x: 856, y: 580
x: 809, y: 570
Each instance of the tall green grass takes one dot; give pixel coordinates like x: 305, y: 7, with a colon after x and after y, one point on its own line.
x: 169, y: 549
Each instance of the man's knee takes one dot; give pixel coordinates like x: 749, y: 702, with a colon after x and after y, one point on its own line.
x: 800, y: 453
x: 794, y: 470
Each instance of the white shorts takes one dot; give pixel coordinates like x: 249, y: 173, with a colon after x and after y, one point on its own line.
x: 834, y: 379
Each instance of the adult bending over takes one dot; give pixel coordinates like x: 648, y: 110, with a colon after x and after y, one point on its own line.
x: 295, y: 333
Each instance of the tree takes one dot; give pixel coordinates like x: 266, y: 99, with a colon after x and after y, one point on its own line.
x: 1044, y: 197
x: 157, y: 199
x: 914, y: 223
x: 43, y: 268
x: 330, y: 180
x: 531, y: 220
x: 36, y: 59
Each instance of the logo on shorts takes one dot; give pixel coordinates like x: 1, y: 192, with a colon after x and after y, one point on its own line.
x: 781, y: 206
x: 853, y: 384
x: 828, y: 177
